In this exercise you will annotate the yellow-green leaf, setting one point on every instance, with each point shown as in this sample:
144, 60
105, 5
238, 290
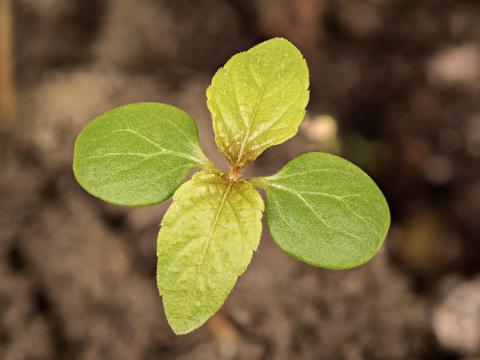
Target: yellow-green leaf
205, 243
258, 99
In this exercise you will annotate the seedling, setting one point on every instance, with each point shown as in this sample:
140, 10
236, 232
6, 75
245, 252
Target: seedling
320, 208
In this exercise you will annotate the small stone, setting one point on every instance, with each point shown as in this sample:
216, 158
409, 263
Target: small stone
456, 321
455, 65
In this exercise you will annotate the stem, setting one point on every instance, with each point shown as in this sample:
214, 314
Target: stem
225, 334
209, 166
259, 182
7, 86
234, 173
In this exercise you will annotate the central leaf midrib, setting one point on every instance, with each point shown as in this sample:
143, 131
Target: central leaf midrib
309, 206
340, 198
255, 111
153, 143
214, 223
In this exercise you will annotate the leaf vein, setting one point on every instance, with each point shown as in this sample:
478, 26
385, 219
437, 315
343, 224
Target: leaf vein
214, 224
309, 206
153, 143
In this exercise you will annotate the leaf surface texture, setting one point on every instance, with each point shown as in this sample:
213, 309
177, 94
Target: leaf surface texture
137, 154
258, 99
325, 211
205, 243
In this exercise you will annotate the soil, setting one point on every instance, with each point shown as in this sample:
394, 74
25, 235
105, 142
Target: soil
394, 88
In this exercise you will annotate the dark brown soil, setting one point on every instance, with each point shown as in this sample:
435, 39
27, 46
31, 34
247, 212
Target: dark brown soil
398, 79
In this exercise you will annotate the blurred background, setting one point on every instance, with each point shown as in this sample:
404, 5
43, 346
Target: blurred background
395, 88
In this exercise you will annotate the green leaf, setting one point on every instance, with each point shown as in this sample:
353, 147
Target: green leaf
258, 99
137, 154
325, 211
205, 243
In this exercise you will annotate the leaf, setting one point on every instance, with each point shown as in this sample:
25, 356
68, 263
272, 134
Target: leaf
137, 154
206, 241
325, 211
258, 99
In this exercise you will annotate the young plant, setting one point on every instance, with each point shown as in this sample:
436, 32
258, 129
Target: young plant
320, 208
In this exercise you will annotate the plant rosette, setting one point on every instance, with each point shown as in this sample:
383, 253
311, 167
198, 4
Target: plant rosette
320, 209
